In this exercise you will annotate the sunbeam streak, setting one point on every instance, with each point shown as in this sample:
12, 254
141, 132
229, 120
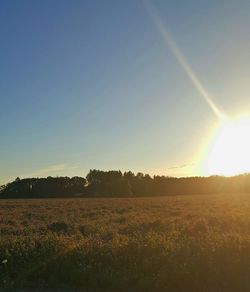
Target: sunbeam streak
172, 46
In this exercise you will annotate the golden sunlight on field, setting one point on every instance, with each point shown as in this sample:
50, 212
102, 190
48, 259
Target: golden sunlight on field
178, 243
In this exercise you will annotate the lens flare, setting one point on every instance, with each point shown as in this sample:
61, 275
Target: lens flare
179, 56
228, 151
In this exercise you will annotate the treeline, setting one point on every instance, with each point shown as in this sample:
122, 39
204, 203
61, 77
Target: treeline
116, 183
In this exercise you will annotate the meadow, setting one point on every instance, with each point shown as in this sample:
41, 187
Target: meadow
174, 243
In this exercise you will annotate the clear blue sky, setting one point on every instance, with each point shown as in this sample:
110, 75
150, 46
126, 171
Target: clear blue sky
91, 84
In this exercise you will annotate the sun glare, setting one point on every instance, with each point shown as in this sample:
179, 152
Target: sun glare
229, 152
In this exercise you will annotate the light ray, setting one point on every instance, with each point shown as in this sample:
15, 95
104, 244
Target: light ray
172, 46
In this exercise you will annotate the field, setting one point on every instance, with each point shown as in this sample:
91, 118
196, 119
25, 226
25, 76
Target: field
178, 243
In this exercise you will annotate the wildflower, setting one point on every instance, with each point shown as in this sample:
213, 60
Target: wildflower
4, 261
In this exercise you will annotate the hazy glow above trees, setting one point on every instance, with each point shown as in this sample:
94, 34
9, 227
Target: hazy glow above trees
228, 153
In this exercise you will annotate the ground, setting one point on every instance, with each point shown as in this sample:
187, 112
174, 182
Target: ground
178, 243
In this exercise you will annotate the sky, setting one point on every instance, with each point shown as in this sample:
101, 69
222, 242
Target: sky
92, 84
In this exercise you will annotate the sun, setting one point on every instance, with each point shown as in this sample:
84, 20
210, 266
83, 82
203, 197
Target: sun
229, 152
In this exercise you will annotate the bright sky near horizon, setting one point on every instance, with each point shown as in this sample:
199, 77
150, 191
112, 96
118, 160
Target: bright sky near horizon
91, 84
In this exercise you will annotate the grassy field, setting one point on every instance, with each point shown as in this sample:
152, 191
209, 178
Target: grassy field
180, 243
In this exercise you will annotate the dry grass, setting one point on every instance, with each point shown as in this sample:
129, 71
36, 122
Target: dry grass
180, 243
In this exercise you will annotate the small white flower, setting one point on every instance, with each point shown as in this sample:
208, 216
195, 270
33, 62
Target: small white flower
4, 261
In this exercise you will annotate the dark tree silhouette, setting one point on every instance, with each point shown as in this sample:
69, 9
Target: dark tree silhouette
114, 183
